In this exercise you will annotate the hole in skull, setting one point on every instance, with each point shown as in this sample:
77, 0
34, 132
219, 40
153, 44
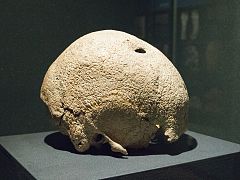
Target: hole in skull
140, 50
80, 143
98, 137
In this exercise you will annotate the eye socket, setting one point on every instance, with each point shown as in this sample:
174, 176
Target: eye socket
140, 50
98, 137
145, 119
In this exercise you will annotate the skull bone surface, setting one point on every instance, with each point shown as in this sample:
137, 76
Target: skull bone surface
111, 87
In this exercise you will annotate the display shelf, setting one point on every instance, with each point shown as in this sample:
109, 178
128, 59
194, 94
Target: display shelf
50, 155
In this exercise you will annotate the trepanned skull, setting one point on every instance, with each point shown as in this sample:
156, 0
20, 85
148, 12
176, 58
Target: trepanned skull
111, 87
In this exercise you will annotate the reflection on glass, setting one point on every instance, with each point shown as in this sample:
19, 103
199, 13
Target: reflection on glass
207, 56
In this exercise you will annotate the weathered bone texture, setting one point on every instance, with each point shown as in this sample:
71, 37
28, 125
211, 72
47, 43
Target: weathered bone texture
111, 87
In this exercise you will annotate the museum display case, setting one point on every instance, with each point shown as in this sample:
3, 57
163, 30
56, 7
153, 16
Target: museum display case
199, 37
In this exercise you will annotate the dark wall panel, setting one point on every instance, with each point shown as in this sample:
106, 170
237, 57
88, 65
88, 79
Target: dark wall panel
32, 34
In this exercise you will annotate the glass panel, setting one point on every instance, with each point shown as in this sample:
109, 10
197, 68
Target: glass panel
207, 56
208, 60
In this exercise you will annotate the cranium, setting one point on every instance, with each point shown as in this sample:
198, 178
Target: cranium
111, 87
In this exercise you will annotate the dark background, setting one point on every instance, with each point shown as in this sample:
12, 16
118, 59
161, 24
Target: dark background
34, 32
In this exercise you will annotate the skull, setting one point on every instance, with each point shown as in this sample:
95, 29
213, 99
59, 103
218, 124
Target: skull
111, 87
